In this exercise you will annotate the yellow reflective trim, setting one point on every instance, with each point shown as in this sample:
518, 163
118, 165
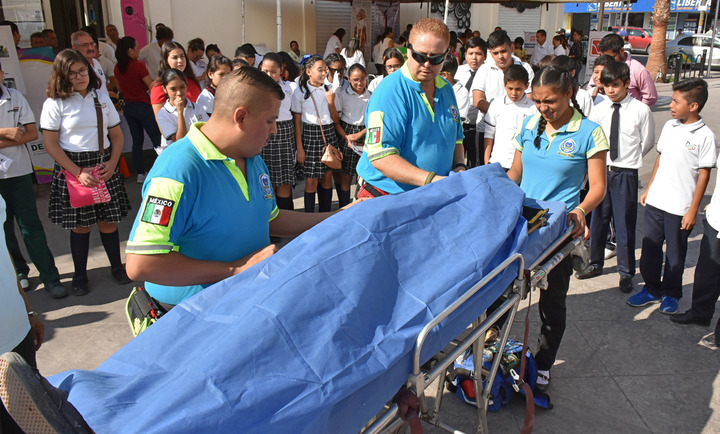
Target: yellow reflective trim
274, 213
239, 177
383, 153
428, 106
149, 234
205, 147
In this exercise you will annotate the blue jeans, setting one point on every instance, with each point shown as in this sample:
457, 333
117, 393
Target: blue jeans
140, 117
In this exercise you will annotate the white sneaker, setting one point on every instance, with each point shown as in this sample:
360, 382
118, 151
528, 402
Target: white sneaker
24, 282
140, 178
610, 253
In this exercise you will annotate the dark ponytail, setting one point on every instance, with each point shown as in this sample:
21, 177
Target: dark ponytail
540, 130
304, 77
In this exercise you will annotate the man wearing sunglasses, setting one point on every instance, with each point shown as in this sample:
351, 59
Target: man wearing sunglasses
414, 131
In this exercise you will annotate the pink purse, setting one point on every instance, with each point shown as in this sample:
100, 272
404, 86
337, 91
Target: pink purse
81, 195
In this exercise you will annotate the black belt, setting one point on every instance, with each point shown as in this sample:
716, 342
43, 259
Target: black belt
375, 192
620, 169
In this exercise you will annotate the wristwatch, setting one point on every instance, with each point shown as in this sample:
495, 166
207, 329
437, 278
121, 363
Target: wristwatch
32, 313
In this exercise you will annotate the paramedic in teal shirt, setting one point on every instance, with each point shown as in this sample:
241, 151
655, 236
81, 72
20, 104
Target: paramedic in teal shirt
414, 130
208, 207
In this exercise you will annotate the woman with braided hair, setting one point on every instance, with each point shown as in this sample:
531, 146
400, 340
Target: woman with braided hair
555, 149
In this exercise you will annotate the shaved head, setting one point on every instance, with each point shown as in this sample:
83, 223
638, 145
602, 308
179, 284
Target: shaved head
245, 87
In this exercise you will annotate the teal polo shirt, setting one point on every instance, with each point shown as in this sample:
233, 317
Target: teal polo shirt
197, 202
556, 170
400, 121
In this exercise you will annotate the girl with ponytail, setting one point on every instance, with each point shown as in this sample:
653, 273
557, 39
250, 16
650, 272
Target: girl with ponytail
555, 149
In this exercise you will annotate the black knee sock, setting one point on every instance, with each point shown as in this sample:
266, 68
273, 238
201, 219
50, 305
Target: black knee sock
343, 197
324, 198
79, 247
111, 243
284, 202
309, 202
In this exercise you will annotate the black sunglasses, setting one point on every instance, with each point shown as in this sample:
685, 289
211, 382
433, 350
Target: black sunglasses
422, 58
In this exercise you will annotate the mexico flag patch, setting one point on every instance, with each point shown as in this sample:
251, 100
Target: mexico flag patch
374, 135
158, 211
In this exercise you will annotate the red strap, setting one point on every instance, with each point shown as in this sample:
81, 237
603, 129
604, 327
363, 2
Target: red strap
409, 408
529, 398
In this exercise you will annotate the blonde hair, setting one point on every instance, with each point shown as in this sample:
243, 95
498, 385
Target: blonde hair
431, 26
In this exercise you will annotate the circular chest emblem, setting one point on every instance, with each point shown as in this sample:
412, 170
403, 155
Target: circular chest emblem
568, 146
266, 185
455, 114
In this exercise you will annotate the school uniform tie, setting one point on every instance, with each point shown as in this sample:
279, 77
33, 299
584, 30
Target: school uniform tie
470, 80
614, 132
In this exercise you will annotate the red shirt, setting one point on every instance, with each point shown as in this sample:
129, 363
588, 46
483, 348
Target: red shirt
157, 96
131, 82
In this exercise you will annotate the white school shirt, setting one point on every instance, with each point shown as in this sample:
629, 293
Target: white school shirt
462, 76
585, 100
107, 51
288, 87
152, 56
15, 112
332, 44
491, 80
712, 212
502, 121
167, 120
540, 51
306, 108
206, 101
356, 58
75, 120
374, 83
463, 100
97, 66
377, 53
15, 323
637, 130
351, 106
684, 150
199, 69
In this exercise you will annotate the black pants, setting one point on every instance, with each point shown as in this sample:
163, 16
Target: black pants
140, 117
663, 227
26, 350
552, 307
706, 288
620, 204
470, 144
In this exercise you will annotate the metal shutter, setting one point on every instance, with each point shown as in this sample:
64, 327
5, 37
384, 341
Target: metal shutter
516, 23
330, 16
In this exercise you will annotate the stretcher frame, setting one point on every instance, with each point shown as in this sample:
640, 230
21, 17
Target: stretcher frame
420, 380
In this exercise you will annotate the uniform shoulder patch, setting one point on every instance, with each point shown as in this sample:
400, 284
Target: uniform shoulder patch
374, 135
266, 185
158, 211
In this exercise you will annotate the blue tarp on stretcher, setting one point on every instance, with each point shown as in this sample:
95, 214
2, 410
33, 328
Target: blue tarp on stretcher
319, 336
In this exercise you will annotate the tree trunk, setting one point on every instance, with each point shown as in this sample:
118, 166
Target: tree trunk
656, 59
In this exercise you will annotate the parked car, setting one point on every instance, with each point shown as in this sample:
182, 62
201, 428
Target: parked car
638, 37
693, 45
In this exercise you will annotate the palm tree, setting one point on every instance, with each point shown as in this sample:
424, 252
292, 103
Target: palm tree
656, 59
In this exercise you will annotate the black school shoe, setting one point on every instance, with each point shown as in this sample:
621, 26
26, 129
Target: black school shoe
34, 404
589, 272
80, 286
626, 285
690, 317
119, 275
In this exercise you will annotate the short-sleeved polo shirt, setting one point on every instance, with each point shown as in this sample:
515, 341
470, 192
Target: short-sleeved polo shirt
14, 112
351, 105
167, 120
400, 121
491, 80
75, 120
197, 202
684, 149
556, 169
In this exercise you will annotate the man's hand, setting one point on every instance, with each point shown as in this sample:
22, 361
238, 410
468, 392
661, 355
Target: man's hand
254, 258
13, 134
38, 331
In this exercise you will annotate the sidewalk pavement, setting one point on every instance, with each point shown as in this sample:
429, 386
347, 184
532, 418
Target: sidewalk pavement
619, 370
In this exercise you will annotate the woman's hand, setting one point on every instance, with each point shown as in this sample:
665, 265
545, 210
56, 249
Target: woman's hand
300, 155
107, 170
86, 178
355, 137
581, 229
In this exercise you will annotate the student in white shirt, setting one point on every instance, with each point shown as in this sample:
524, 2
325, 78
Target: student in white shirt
448, 71
335, 79
475, 55
279, 153
334, 44
314, 129
219, 67
543, 47
505, 116
195, 53
687, 148
595, 87
172, 125
353, 54
630, 128
348, 112
392, 60
559, 46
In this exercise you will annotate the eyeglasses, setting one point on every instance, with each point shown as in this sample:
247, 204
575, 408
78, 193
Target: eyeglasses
393, 66
422, 58
87, 45
340, 71
72, 75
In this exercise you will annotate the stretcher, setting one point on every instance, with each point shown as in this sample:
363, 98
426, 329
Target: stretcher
319, 337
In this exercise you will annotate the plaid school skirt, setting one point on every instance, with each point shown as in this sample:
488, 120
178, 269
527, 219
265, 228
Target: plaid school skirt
350, 157
313, 144
59, 209
279, 154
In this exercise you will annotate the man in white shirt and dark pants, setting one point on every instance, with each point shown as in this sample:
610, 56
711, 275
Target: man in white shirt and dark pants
543, 47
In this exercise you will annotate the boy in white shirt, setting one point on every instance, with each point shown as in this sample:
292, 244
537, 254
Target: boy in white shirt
462, 95
505, 116
630, 128
673, 197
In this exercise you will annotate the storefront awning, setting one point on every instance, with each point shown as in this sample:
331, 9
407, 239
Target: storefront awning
640, 6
